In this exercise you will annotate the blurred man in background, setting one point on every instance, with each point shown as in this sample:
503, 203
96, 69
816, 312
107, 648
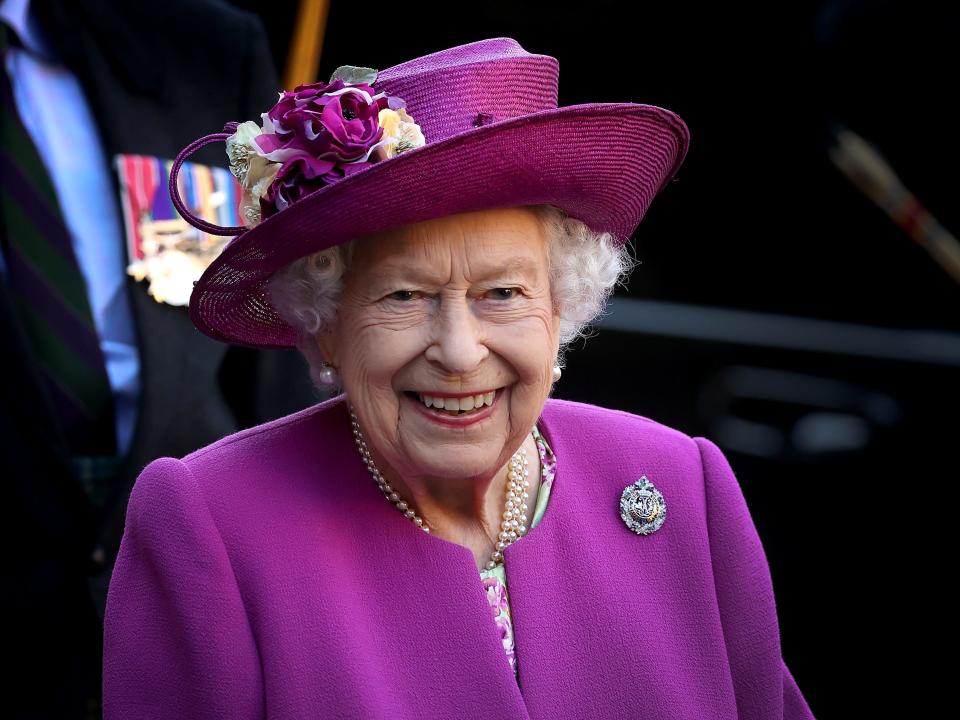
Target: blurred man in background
92, 357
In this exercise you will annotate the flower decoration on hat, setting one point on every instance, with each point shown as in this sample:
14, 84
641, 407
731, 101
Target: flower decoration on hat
314, 136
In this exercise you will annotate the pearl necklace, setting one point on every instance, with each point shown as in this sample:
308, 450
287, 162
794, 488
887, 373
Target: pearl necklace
514, 521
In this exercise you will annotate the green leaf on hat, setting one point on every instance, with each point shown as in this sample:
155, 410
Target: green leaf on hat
353, 75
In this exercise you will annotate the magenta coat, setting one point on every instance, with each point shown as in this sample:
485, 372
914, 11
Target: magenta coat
265, 576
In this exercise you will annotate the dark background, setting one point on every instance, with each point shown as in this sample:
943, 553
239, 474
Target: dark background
775, 309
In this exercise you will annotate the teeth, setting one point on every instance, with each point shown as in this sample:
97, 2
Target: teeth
471, 402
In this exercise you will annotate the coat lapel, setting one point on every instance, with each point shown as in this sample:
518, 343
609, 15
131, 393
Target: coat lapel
609, 623
419, 632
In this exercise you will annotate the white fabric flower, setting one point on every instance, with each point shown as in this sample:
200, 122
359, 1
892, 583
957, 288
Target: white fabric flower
400, 133
251, 168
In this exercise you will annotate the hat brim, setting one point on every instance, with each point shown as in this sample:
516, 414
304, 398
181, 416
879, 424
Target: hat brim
602, 163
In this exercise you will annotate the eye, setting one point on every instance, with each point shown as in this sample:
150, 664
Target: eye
504, 293
403, 295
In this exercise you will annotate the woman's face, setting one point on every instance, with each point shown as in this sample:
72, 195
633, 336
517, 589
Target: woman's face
445, 308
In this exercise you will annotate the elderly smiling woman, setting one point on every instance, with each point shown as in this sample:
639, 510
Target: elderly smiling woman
442, 539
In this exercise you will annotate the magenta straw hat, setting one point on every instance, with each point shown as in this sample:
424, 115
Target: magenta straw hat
469, 128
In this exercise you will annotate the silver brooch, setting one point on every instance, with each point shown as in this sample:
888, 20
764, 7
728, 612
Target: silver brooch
642, 507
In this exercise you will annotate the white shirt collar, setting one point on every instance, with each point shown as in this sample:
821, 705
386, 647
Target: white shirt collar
16, 13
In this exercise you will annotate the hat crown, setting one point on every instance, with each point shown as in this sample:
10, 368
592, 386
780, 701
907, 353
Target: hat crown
461, 88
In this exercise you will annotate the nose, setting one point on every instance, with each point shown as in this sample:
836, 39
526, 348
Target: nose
457, 344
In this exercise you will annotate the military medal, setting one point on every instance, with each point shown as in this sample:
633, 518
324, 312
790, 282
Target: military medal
161, 247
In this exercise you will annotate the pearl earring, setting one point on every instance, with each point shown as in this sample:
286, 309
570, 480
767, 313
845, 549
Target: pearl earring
556, 372
328, 376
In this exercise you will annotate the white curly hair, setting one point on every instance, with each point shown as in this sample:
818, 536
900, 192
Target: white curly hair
584, 268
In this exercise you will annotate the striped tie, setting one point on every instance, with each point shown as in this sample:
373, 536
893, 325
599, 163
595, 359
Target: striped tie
47, 289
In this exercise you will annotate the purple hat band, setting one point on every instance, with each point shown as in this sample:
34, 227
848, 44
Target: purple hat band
495, 137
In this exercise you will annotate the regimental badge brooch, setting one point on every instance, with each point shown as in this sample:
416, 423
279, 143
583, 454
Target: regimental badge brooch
642, 507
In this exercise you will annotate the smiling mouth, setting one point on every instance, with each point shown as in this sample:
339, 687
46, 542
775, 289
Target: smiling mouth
446, 405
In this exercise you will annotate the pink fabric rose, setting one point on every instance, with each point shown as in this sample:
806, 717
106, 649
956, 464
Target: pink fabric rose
320, 133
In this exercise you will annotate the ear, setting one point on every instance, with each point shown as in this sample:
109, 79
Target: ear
326, 341
555, 320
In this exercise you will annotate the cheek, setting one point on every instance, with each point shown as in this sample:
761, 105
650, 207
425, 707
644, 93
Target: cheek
528, 347
372, 357
538, 328
370, 361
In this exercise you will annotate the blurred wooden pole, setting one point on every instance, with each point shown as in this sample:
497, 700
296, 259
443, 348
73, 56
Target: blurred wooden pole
303, 58
873, 175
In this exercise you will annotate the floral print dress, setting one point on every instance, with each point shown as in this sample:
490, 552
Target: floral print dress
495, 580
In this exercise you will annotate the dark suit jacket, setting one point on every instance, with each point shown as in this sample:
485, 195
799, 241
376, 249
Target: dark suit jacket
156, 76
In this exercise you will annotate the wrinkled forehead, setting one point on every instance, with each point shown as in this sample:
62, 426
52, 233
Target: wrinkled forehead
471, 245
